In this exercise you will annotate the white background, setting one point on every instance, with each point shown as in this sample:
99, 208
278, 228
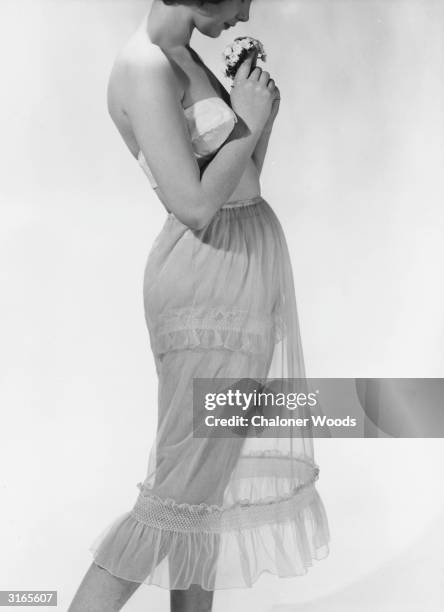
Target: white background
354, 173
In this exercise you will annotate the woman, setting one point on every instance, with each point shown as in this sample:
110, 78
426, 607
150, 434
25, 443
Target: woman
213, 512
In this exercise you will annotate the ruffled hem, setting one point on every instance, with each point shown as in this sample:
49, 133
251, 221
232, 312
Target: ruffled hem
266, 524
295, 534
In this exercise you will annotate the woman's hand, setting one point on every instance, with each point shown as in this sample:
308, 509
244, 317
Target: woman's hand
276, 98
276, 104
274, 110
252, 94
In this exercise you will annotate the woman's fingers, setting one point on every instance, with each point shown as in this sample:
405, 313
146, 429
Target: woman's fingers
264, 77
248, 70
244, 69
254, 53
255, 74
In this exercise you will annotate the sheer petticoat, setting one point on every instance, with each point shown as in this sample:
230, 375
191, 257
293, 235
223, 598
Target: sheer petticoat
218, 512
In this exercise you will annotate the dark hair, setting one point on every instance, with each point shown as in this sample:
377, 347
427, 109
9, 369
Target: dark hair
191, 2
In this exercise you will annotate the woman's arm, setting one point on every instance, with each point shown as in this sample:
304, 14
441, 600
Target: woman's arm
156, 115
260, 150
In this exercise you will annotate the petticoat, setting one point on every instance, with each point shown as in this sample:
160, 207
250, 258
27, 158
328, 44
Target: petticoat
218, 512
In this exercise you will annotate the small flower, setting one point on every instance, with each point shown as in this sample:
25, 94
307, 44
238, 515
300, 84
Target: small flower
236, 53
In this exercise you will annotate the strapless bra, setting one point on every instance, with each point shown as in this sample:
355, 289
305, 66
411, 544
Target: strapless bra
210, 121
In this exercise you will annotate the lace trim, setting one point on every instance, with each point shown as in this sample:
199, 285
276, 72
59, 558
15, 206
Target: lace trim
168, 501
169, 515
210, 338
212, 318
236, 330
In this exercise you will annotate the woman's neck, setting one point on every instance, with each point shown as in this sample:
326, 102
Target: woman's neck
169, 26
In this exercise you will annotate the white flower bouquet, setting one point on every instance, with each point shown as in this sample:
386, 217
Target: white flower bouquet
238, 51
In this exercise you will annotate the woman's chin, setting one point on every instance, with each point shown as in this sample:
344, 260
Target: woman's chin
217, 30
213, 32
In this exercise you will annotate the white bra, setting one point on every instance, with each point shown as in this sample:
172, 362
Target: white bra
210, 121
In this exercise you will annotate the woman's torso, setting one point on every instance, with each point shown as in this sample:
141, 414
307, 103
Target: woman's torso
200, 83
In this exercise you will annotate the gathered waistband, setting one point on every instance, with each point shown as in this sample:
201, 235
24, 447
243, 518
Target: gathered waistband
244, 202
234, 204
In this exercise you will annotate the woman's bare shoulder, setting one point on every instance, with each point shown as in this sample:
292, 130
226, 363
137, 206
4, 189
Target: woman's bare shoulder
140, 59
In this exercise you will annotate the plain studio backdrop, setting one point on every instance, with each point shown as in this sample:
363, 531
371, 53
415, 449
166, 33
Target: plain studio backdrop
354, 173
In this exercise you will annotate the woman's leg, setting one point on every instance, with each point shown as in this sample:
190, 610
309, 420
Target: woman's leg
100, 591
194, 599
